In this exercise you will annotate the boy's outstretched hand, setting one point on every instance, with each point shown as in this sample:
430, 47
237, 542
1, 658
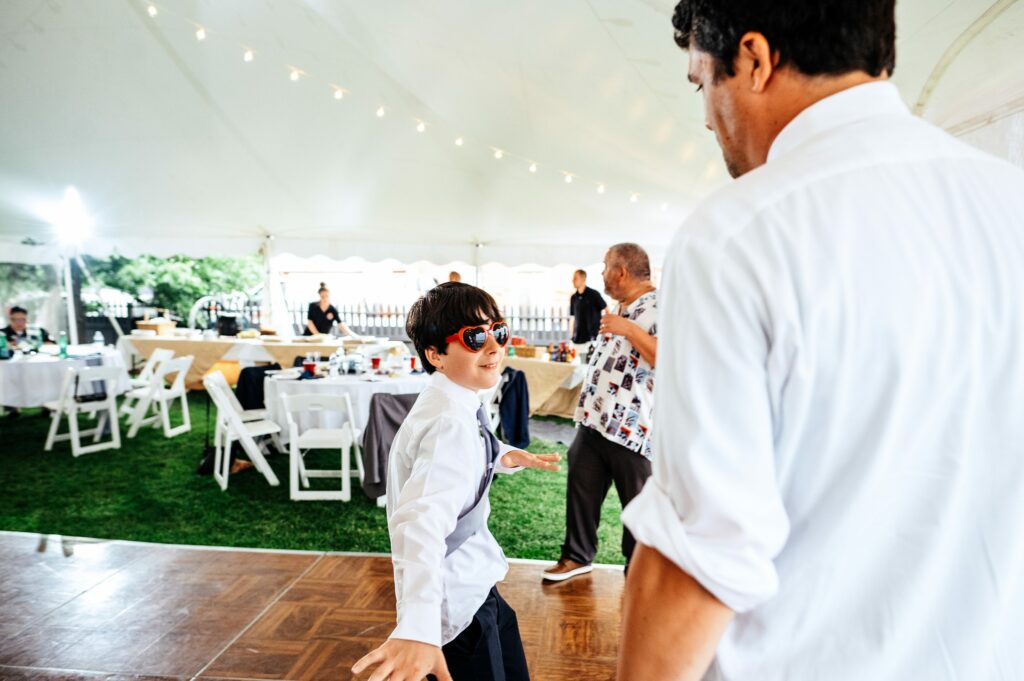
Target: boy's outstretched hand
403, 660
517, 457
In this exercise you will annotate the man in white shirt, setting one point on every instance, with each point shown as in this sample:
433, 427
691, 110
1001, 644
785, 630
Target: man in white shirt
839, 458
452, 622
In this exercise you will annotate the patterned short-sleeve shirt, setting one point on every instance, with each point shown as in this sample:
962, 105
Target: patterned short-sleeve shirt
617, 399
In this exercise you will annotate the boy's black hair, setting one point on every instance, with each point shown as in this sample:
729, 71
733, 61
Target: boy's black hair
16, 309
442, 311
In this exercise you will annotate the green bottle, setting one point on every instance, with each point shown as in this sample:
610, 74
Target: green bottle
62, 345
5, 352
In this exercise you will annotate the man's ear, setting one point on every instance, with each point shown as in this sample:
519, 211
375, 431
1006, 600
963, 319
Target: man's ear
434, 357
755, 61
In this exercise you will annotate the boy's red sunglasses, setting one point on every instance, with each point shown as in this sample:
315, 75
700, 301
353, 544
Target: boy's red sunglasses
473, 338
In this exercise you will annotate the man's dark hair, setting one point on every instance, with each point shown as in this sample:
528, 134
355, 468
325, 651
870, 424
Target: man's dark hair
582, 273
442, 311
634, 258
823, 37
15, 309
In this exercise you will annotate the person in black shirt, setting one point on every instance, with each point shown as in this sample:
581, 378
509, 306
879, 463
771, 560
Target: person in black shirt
17, 330
585, 306
322, 315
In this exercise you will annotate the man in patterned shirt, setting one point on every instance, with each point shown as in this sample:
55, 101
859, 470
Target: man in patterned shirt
614, 413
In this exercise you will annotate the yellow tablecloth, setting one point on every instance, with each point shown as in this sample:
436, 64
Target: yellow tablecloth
546, 381
207, 352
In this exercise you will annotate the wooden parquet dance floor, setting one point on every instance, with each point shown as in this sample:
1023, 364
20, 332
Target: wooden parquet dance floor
81, 609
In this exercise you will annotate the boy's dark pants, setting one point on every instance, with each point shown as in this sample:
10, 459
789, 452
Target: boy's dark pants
489, 649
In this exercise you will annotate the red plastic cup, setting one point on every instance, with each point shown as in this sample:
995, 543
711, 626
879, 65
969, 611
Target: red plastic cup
412, 363
309, 366
375, 361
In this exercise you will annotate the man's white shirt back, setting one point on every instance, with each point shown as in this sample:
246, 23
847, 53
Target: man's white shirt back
435, 467
839, 453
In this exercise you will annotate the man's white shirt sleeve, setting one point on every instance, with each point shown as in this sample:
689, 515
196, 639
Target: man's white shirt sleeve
712, 505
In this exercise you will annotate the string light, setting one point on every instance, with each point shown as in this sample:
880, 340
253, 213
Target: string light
295, 74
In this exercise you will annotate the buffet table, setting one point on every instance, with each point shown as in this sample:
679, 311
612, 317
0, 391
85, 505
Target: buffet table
554, 386
208, 351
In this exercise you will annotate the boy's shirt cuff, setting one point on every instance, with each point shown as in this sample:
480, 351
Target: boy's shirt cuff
419, 622
500, 467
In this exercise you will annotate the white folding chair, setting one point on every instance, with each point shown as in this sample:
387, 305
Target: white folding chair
231, 428
159, 396
345, 439
144, 378
78, 383
491, 399
229, 394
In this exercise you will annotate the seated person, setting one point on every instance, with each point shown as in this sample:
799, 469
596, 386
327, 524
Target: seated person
17, 329
322, 316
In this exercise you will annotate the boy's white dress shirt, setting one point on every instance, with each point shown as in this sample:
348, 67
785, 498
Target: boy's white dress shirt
435, 468
840, 441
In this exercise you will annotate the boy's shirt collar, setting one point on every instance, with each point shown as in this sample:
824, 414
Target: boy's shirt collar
459, 394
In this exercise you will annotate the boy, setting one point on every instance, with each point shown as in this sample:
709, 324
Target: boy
452, 622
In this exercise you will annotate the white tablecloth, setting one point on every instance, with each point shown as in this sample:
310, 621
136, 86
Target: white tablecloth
29, 381
357, 387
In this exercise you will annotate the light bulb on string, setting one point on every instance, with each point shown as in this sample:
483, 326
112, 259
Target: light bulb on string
568, 178
600, 189
200, 34
499, 154
633, 198
294, 75
152, 10
338, 93
459, 141
380, 111
247, 56
533, 167
421, 126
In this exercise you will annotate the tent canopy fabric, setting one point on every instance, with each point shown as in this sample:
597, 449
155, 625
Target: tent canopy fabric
180, 145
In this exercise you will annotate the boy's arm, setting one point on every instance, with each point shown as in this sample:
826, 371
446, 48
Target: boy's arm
426, 513
512, 460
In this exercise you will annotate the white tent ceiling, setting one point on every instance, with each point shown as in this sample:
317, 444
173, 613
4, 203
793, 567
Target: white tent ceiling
178, 145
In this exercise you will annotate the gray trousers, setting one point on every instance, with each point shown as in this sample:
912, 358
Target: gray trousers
594, 464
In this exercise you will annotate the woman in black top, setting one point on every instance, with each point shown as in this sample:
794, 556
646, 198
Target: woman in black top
322, 315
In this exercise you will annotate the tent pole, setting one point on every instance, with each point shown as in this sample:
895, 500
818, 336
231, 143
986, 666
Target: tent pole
69, 294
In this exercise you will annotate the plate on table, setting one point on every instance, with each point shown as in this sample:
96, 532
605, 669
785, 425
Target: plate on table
143, 333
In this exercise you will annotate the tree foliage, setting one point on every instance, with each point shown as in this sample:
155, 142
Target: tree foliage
176, 282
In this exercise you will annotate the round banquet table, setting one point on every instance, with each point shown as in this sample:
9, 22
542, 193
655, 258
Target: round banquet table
31, 380
359, 388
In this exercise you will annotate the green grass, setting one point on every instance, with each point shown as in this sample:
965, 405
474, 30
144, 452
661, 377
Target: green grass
148, 491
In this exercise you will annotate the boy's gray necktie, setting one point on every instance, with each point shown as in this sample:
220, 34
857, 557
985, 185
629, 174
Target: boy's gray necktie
473, 520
